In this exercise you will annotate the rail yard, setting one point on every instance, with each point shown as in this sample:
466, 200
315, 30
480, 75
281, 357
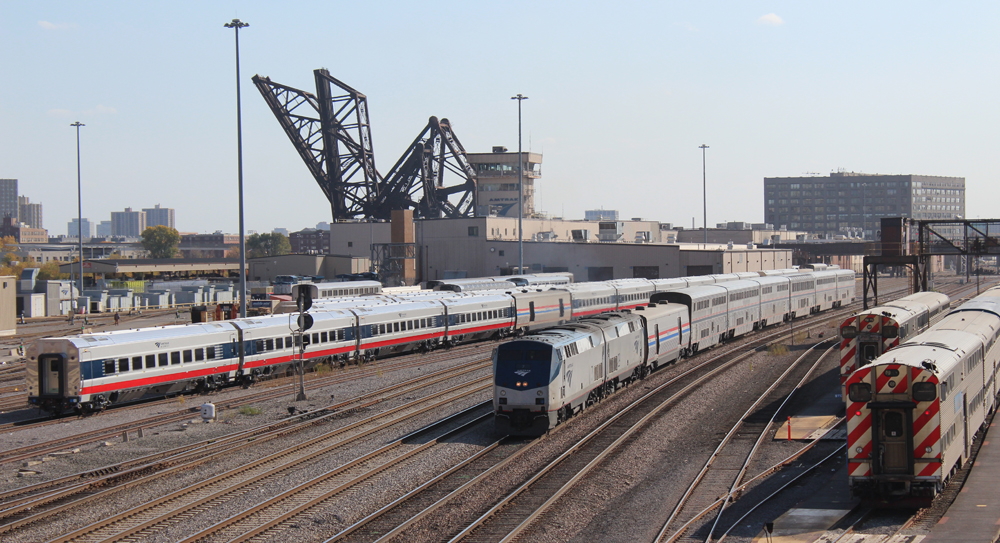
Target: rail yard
405, 449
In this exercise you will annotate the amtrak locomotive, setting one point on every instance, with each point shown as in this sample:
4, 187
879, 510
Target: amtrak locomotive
548, 376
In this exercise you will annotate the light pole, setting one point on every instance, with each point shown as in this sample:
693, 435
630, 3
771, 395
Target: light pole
520, 188
79, 212
704, 193
237, 24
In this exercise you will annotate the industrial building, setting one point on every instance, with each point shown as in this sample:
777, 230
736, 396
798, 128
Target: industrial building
327, 266
592, 251
853, 204
496, 182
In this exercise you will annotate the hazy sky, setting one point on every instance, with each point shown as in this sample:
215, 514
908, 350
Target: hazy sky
621, 94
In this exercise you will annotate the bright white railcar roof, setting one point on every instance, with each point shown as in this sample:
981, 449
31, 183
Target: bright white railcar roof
937, 351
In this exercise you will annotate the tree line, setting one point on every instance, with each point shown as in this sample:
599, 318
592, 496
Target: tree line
157, 241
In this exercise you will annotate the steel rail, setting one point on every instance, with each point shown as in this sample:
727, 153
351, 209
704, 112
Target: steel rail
760, 439
779, 332
203, 492
787, 484
195, 457
57, 444
424, 488
257, 433
324, 495
718, 450
627, 432
272, 386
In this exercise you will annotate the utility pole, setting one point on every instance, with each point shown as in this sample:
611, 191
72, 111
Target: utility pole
704, 193
237, 24
79, 212
520, 188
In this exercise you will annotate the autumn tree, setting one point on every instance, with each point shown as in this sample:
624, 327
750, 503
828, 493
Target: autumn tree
10, 263
160, 241
50, 271
273, 244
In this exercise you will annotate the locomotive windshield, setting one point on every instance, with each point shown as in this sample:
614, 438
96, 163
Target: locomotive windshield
869, 352
522, 364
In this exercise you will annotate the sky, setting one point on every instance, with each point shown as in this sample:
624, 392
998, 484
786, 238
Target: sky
620, 97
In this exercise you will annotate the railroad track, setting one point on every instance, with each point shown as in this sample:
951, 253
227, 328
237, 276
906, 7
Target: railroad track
393, 519
80, 439
272, 387
281, 511
514, 514
292, 456
719, 479
921, 521
28, 497
509, 448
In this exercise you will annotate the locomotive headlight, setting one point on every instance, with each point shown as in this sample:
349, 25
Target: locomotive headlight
503, 392
539, 392
858, 450
892, 384
928, 450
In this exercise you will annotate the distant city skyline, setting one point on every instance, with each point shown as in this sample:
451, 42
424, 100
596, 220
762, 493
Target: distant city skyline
775, 90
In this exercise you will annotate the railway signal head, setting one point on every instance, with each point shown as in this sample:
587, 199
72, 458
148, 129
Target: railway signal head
305, 321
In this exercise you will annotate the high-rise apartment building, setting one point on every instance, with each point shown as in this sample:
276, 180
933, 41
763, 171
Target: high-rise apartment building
160, 216
847, 203
88, 229
29, 213
104, 229
128, 223
8, 198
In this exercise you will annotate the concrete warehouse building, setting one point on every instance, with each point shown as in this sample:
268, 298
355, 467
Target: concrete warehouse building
475, 247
